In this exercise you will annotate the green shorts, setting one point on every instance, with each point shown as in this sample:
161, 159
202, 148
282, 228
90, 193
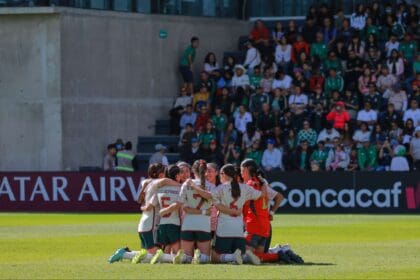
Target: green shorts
199, 236
168, 234
228, 245
146, 239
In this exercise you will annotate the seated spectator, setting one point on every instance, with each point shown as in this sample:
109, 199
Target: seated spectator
298, 102
415, 148
232, 153
282, 81
367, 157
207, 135
220, 122
378, 134
252, 58
367, 115
384, 155
339, 116
178, 109
241, 119
309, 31
338, 159
395, 64
301, 157
386, 80
413, 113
279, 101
319, 48
210, 63
390, 46
201, 98
357, 46
318, 118
388, 117
407, 132
250, 136
358, 18
316, 81
283, 54
291, 32
398, 98
231, 134
187, 135
320, 155
373, 97
202, 119
394, 133
261, 37
298, 47
333, 82
278, 32
159, 156
214, 154
257, 100
307, 134
229, 64
272, 157
254, 152
365, 81
266, 121
240, 79
109, 159
267, 81
267, 62
333, 62
255, 78
192, 153
354, 66
362, 134
327, 135
225, 102
353, 164
351, 101
399, 161
329, 32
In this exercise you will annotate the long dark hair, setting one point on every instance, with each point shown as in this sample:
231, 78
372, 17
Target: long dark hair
199, 168
229, 170
155, 169
254, 171
172, 172
215, 167
207, 59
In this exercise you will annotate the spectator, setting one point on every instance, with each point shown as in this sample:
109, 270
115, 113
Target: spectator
109, 159
232, 153
320, 155
395, 64
338, 159
250, 136
272, 157
193, 153
119, 144
365, 81
298, 47
210, 63
266, 120
267, 61
413, 113
252, 58
257, 100
278, 102
309, 30
333, 62
373, 97
407, 132
358, 18
240, 79
186, 64
351, 102
378, 135
283, 54
339, 116
353, 164
207, 135
367, 157
225, 102
362, 134
316, 80
291, 32
159, 156
187, 135
229, 64
278, 32
220, 122
255, 78
301, 157
201, 98
261, 37
329, 32
307, 134
399, 161
415, 148
384, 156
231, 134
333, 82
241, 119
319, 48
298, 103
389, 117
390, 46
178, 109
345, 32
125, 159
254, 152
281, 80
398, 97
367, 115
214, 154
327, 135
386, 80
354, 67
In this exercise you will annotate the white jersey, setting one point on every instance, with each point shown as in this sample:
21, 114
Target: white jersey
147, 220
228, 226
164, 197
190, 198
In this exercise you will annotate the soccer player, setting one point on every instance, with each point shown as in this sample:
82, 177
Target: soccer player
229, 198
213, 179
196, 230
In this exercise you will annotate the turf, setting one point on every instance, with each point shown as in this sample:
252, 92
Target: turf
55, 246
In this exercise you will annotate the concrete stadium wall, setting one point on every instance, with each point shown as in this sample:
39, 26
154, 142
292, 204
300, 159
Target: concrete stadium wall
72, 81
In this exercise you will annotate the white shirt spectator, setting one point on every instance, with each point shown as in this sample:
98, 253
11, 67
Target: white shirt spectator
360, 136
399, 164
283, 55
389, 46
210, 68
272, 159
358, 22
253, 58
385, 82
367, 116
187, 118
241, 121
183, 101
415, 148
300, 99
324, 134
414, 115
240, 81
285, 83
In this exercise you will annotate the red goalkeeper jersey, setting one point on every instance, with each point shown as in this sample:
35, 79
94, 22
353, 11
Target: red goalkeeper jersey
256, 213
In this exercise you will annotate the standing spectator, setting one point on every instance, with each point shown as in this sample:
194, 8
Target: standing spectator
159, 156
339, 116
109, 160
186, 63
189, 116
125, 159
210, 63
283, 54
415, 148
272, 157
338, 159
307, 134
178, 109
301, 157
241, 119
367, 157
252, 58
367, 115
413, 113
398, 97
358, 18
320, 155
399, 161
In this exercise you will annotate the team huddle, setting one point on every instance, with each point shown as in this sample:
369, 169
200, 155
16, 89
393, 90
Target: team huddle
217, 217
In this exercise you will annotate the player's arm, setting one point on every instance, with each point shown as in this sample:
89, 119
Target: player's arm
140, 198
228, 211
203, 193
171, 208
194, 211
166, 182
277, 201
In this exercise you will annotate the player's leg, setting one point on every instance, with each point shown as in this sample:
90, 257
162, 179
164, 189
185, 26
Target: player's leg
225, 252
256, 244
148, 243
187, 245
203, 251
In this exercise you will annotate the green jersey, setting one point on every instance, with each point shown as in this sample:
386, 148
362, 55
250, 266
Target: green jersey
408, 49
189, 51
367, 158
219, 122
319, 49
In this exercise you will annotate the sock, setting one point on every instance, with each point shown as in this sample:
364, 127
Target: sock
204, 258
186, 259
148, 258
245, 258
130, 255
268, 257
166, 258
227, 258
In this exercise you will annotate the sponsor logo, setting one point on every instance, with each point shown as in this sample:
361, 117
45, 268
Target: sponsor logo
413, 197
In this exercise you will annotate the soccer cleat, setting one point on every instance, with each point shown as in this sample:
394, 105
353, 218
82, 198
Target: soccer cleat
196, 258
253, 258
157, 256
238, 256
295, 258
275, 249
178, 257
140, 256
284, 258
118, 255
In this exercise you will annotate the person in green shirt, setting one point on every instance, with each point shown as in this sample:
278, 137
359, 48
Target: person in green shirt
185, 65
255, 153
219, 122
370, 28
255, 79
333, 82
333, 62
319, 48
207, 136
320, 155
367, 157
408, 48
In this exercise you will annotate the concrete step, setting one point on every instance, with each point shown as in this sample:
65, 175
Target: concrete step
146, 144
162, 127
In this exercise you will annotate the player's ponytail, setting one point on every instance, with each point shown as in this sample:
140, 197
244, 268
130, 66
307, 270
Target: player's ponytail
229, 170
254, 171
199, 169
172, 171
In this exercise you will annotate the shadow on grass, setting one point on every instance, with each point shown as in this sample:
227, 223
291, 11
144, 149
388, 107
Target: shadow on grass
320, 264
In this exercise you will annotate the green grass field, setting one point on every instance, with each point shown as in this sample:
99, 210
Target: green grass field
338, 246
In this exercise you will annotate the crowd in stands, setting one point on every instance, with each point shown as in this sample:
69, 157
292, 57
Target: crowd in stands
333, 94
